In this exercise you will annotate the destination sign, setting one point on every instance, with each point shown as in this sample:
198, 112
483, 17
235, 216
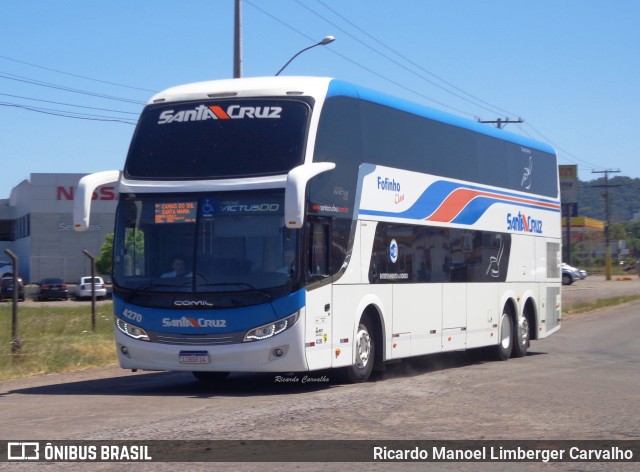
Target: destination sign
176, 212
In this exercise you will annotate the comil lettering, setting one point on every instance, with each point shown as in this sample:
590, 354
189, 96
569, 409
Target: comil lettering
215, 112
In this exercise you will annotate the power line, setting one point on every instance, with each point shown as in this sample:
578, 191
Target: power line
333, 51
371, 71
474, 99
65, 114
582, 161
471, 98
76, 75
69, 104
19, 78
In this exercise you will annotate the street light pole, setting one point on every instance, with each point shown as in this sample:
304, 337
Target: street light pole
237, 41
16, 342
326, 40
93, 287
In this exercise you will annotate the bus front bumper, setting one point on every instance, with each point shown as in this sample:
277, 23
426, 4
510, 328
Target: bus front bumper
283, 352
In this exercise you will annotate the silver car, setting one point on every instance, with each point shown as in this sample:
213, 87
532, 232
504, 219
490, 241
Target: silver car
83, 288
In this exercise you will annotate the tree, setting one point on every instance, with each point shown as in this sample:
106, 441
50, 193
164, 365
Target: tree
104, 263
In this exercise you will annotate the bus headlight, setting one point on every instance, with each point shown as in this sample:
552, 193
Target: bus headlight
131, 330
271, 329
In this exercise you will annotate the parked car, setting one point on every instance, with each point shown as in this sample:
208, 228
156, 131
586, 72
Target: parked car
6, 289
574, 272
6, 268
83, 288
570, 274
53, 288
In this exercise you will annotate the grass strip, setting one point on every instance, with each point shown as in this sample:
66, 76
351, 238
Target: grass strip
55, 339
583, 307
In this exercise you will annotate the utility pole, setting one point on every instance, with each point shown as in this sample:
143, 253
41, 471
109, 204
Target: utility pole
607, 215
237, 41
500, 122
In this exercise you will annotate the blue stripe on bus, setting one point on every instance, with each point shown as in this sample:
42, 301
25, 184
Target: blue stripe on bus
479, 205
437, 193
196, 321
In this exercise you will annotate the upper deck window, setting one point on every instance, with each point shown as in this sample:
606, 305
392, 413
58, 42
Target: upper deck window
214, 139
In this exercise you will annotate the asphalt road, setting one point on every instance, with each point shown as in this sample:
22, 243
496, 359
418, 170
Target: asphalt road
581, 383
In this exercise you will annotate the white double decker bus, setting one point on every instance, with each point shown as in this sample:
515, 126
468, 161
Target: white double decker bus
293, 224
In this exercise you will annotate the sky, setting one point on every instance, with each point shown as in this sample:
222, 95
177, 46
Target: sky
75, 75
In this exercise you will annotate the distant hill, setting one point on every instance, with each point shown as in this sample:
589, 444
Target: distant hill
624, 198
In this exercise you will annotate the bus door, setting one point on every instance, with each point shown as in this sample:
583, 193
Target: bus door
319, 308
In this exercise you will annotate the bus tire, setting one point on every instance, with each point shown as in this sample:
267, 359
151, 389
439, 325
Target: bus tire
365, 354
505, 345
210, 378
521, 337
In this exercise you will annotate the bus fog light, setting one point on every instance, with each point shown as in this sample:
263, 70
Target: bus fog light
271, 329
278, 352
124, 350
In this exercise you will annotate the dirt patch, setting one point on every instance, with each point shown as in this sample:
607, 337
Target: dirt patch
596, 287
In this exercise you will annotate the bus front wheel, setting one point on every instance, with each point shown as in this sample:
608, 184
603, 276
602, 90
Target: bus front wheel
365, 353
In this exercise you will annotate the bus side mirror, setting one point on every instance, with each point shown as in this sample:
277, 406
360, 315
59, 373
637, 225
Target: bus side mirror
295, 190
84, 193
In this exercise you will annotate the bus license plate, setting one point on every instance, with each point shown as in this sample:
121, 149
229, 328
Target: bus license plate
194, 357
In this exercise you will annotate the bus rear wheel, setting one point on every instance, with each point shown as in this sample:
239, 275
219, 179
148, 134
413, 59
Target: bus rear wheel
521, 337
365, 354
505, 346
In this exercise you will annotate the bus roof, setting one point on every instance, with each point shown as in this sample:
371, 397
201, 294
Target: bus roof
326, 86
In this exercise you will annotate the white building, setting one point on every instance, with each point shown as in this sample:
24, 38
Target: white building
36, 223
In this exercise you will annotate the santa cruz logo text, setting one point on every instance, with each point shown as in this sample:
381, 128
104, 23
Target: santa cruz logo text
523, 223
188, 322
215, 112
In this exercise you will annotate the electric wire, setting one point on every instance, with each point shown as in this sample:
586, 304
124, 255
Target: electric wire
459, 93
69, 104
371, 71
568, 156
62, 113
472, 98
76, 75
19, 78
468, 97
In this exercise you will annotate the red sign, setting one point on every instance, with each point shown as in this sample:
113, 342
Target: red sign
103, 193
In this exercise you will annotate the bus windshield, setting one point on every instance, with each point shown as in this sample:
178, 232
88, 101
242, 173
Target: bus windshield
211, 243
218, 139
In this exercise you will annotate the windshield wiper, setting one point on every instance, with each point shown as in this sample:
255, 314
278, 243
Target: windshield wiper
144, 288
237, 284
